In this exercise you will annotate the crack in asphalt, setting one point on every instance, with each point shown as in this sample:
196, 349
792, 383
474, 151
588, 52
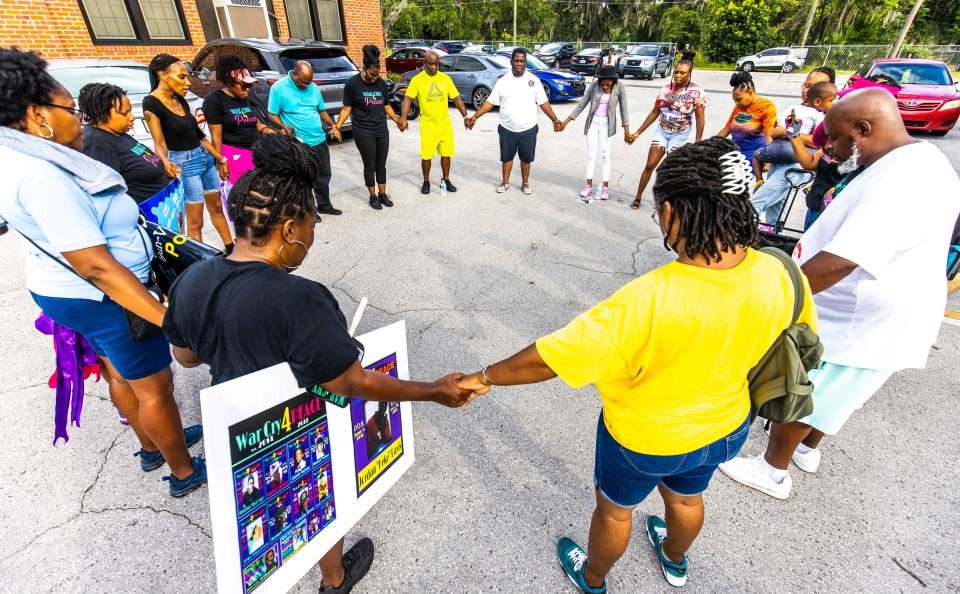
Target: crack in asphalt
636, 253
908, 572
103, 464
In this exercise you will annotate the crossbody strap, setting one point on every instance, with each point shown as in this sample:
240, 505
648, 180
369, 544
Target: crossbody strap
794, 271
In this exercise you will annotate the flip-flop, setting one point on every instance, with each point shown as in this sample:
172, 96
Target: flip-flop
635, 205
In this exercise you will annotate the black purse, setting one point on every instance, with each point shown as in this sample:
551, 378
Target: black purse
139, 328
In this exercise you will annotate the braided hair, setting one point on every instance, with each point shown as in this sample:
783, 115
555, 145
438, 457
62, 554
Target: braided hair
227, 64
158, 64
742, 80
24, 81
687, 57
709, 222
97, 100
279, 189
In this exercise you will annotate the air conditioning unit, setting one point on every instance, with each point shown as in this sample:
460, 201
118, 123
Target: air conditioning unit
243, 18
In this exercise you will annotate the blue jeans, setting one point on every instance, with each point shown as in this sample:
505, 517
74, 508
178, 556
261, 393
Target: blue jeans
766, 201
198, 171
625, 477
812, 215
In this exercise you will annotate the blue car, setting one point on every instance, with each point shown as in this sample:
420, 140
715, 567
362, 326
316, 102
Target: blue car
559, 85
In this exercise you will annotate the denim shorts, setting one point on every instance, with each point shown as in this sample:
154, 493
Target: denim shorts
625, 477
104, 325
199, 173
671, 140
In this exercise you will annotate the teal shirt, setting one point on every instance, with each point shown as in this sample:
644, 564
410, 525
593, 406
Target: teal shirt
299, 109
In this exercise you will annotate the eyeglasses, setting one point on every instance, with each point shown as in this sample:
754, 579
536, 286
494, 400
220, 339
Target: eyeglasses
79, 115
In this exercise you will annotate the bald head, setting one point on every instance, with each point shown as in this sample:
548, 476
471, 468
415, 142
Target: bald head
302, 73
865, 124
431, 63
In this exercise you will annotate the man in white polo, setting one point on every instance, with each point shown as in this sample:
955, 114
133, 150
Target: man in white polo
876, 262
518, 95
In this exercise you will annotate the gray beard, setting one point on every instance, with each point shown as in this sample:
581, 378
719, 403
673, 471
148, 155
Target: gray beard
851, 163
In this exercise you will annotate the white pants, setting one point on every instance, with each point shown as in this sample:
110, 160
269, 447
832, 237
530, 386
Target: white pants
598, 140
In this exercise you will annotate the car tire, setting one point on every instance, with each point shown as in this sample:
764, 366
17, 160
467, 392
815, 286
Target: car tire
664, 73
414, 112
650, 76
546, 89
619, 75
747, 67
479, 96
789, 67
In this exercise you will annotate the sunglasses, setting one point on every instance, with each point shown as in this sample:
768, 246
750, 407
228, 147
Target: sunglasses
79, 115
245, 86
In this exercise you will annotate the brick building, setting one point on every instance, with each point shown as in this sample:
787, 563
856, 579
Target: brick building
139, 29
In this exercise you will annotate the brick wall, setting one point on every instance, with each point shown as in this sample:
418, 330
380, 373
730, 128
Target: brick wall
56, 29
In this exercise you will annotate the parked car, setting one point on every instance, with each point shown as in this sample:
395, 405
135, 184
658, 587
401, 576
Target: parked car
646, 60
775, 58
402, 43
558, 84
133, 77
410, 58
474, 76
585, 61
451, 47
479, 49
929, 98
556, 54
507, 50
270, 61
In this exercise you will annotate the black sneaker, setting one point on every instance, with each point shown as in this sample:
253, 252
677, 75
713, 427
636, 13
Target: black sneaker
425, 188
154, 460
179, 488
385, 199
375, 202
356, 564
329, 210
450, 186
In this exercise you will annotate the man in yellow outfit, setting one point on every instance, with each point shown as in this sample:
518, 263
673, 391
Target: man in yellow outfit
434, 90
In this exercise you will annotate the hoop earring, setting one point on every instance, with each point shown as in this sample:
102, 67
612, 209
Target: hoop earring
49, 134
306, 251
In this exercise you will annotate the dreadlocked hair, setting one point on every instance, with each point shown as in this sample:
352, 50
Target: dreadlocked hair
709, 222
97, 100
278, 189
227, 64
158, 64
742, 80
24, 81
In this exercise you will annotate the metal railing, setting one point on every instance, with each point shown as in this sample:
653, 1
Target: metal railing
850, 58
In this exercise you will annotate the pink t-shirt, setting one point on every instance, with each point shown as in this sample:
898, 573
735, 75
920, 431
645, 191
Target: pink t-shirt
603, 106
677, 106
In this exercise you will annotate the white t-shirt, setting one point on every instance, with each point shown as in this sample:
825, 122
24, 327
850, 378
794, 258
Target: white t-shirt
809, 117
895, 221
519, 98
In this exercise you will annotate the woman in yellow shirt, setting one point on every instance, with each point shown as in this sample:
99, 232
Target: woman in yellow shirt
669, 354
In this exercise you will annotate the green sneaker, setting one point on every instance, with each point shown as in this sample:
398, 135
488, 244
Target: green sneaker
573, 561
676, 573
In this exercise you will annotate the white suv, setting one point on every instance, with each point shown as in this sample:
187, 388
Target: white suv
775, 58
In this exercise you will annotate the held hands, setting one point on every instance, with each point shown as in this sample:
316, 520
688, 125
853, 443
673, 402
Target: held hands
448, 391
558, 126
469, 123
335, 134
223, 170
170, 169
402, 124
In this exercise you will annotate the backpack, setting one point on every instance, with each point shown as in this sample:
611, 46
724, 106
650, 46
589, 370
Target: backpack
779, 387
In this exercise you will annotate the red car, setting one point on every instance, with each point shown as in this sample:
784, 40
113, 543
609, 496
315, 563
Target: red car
410, 58
929, 98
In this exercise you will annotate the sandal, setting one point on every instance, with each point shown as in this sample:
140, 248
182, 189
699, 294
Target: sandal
635, 205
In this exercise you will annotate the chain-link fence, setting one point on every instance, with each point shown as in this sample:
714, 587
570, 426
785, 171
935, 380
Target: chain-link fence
625, 46
846, 59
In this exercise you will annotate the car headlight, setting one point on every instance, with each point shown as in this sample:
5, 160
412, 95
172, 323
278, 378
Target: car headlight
950, 105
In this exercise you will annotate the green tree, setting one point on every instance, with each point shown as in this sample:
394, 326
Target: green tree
733, 29
681, 26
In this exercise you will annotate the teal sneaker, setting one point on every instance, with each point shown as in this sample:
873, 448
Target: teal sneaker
676, 573
179, 488
154, 460
573, 561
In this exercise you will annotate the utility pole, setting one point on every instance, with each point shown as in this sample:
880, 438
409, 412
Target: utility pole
806, 26
514, 21
906, 29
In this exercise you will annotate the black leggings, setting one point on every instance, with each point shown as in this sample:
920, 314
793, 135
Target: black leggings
373, 151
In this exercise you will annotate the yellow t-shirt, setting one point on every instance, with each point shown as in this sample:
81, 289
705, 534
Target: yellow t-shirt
670, 351
433, 93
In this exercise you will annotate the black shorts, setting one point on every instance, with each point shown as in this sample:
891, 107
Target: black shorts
512, 143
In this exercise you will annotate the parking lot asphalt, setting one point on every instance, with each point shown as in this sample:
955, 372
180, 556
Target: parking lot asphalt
478, 275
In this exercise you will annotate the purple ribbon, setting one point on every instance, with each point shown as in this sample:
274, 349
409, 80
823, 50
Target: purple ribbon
74, 354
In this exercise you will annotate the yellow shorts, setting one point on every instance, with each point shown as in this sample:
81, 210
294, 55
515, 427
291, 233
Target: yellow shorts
434, 141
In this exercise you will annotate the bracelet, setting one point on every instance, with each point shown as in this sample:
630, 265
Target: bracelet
483, 377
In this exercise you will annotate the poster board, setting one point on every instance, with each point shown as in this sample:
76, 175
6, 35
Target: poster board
290, 473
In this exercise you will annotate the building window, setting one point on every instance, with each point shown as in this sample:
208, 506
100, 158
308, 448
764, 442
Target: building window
315, 20
135, 22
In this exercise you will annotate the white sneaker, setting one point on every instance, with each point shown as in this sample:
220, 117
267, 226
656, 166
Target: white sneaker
808, 462
752, 472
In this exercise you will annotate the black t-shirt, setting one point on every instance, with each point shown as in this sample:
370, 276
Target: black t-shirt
241, 317
366, 101
181, 133
235, 115
827, 180
141, 169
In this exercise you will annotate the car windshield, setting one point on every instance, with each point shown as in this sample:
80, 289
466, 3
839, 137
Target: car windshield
909, 73
644, 50
323, 61
535, 64
551, 47
135, 80
590, 52
501, 62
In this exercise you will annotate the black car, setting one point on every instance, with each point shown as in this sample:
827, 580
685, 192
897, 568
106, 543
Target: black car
451, 47
557, 54
585, 62
269, 61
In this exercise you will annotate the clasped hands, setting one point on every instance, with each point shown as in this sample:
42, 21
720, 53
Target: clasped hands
458, 390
